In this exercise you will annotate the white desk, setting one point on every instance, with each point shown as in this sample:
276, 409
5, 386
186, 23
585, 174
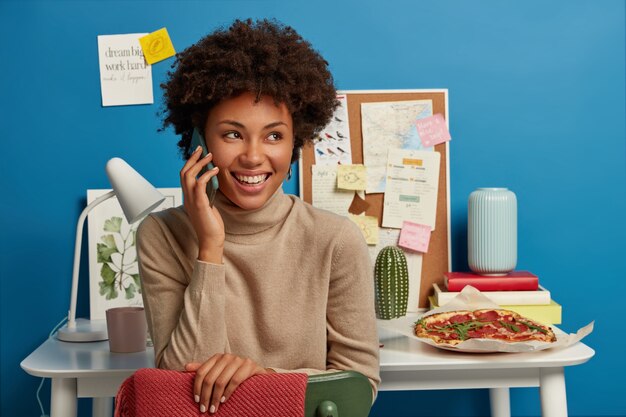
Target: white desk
81, 370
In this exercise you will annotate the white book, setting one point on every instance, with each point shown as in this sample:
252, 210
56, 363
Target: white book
506, 298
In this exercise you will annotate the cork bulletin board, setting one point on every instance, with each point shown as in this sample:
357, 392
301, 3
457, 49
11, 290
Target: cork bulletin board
438, 259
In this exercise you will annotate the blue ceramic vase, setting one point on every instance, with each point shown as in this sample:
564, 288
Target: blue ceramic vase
492, 231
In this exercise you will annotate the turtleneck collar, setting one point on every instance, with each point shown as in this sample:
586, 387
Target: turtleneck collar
238, 221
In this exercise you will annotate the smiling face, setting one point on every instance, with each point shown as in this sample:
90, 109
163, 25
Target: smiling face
252, 145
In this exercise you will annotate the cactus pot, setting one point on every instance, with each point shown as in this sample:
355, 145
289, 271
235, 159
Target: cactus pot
391, 277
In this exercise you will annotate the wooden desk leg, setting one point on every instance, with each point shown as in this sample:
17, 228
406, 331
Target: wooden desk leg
500, 402
102, 407
552, 392
63, 398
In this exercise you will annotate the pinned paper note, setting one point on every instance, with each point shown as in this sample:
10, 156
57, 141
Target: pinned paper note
389, 125
332, 144
157, 46
125, 78
411, 190
432, 130
414, 236
368, 226
351, 177
326, 195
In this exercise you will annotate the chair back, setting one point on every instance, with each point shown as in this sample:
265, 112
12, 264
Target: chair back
338, 394
153, 392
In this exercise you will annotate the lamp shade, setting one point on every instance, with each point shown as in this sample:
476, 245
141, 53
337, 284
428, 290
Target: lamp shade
136, 196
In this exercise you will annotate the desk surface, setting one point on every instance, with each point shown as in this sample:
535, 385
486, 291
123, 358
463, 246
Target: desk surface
55, 358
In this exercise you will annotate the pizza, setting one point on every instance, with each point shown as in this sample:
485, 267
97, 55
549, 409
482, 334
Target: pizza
454, 327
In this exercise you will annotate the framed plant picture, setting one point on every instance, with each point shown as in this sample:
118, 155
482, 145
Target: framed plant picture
113, 270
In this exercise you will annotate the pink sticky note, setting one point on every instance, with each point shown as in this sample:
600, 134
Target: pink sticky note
414, 236
432, 130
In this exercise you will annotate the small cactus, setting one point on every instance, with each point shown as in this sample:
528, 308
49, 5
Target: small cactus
391, 277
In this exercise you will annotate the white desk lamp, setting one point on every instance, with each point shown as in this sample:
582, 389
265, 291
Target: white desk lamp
138, 198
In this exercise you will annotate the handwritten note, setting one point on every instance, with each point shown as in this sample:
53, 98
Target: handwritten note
326, 195
432, 130
351, 177
125, 78
414, 236
157, 46
412, 184
368, 226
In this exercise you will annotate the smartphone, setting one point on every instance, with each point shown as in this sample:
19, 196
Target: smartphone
213, 184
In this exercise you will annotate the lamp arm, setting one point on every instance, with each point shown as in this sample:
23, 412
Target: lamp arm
71, 316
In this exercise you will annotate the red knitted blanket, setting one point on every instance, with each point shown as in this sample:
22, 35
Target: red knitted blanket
161, 393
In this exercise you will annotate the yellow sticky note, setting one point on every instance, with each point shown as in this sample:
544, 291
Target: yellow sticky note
351, 177
412, 161
157, 46
368, 226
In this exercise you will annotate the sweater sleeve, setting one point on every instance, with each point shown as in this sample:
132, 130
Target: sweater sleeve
350, 317
184, 309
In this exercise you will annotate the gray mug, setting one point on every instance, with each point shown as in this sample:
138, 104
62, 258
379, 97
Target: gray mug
127, 329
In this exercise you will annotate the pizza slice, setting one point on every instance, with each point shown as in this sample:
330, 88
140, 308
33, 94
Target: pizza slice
454, 327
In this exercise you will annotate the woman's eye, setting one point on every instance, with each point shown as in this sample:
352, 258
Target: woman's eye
275, 136
233, 135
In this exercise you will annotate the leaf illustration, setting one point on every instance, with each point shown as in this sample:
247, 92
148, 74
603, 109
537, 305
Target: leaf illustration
109, 240
137, 282
107, 274
130, 291
105, 252
114, 224
116, 262
118, 256
130, 257
108, 290
109, 243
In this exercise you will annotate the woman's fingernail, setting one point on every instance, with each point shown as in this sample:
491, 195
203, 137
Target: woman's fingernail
207, 155
197, 149
212, 409
196, 398
223, 400
202, 408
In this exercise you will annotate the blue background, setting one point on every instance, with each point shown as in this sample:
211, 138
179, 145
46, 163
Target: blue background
537, 104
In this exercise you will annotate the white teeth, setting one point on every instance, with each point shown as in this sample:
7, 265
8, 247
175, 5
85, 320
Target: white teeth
256, 179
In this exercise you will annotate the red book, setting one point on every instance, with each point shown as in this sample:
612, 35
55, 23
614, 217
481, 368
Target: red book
513, 281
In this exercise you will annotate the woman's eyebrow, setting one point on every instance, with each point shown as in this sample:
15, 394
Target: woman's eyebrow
232, 122
274, 124
242, 126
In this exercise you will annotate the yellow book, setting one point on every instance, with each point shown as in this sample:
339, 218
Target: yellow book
546, 314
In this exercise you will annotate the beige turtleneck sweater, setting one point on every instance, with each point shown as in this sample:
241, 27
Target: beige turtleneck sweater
295, 291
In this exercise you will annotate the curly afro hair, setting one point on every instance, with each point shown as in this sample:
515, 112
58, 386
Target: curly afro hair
263, 57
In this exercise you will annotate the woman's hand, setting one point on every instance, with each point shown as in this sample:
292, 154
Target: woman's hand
206, 220
218, 377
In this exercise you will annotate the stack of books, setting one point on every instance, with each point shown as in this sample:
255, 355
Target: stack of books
517, 291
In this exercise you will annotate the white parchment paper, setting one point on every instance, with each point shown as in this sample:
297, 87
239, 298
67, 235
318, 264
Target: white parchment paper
472, 299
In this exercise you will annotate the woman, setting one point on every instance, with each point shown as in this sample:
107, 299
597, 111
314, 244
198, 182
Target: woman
260, 282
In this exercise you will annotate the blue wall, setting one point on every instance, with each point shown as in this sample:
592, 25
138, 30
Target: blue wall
537, 97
